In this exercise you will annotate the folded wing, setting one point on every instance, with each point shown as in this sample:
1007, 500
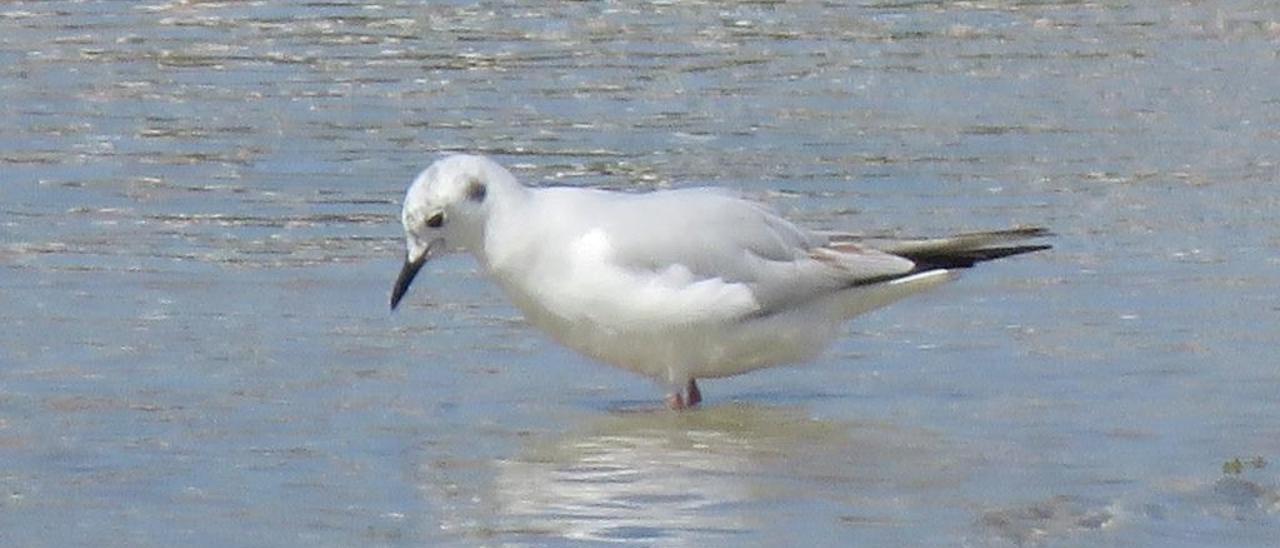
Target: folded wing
717, 240
695, 255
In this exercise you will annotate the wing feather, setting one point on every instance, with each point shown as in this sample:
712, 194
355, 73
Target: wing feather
703, 254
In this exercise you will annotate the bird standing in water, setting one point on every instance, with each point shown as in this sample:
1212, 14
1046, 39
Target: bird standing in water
677, 285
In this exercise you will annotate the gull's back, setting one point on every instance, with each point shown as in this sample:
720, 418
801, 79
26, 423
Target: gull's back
705, 229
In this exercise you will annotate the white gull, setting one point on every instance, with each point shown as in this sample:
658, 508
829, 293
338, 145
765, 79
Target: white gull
677, 285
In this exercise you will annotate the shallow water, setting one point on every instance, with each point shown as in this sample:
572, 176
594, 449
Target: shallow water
199, 202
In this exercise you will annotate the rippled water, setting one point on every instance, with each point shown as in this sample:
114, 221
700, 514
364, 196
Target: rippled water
199, 201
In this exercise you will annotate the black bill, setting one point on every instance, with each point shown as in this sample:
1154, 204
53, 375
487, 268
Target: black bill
407, 272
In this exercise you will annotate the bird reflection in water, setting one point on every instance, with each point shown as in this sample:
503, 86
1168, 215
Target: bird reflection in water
656, 476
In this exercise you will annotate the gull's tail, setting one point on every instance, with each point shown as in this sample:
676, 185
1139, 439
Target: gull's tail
958, 251
936, 260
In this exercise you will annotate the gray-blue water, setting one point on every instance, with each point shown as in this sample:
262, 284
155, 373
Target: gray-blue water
199, 219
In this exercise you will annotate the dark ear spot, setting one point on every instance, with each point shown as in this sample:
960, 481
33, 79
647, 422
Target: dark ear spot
476, 191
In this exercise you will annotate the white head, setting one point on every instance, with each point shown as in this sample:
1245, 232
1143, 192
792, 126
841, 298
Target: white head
446, 208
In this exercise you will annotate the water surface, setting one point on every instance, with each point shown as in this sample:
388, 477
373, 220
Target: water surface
199, 203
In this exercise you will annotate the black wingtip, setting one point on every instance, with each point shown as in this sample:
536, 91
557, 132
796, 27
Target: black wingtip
968, 258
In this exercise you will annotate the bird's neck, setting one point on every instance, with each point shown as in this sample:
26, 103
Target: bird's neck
505, 240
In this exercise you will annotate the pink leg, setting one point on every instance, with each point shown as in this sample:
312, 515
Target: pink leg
694, 395
685, 399
675, 400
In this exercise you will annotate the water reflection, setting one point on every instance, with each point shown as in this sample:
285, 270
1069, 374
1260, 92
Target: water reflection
720, 471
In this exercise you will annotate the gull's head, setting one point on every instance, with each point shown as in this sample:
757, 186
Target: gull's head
445, 211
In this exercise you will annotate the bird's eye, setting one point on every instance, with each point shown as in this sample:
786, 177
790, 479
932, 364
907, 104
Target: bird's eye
476, 191
436, 220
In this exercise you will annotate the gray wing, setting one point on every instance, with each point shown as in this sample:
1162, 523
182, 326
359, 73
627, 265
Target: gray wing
716, 235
